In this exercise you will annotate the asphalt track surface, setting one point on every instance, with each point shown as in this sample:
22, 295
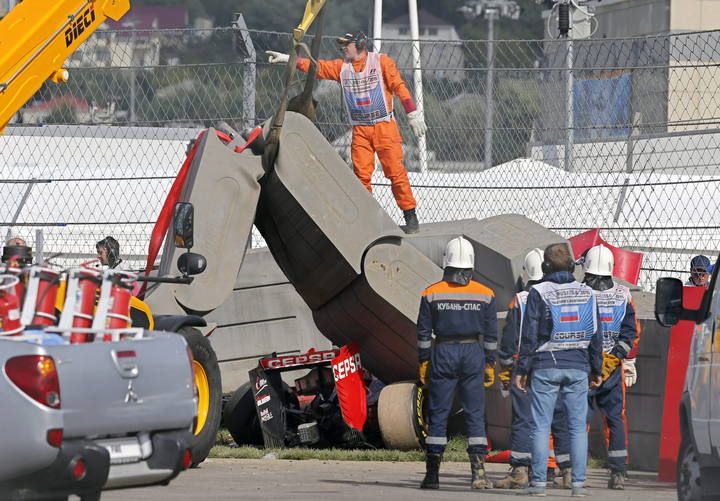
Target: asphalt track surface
266, 479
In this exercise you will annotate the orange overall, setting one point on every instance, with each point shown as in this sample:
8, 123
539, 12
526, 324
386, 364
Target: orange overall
382, 138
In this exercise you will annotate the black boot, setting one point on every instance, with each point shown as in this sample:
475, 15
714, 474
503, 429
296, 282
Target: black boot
432, 471
411, 221
477, 468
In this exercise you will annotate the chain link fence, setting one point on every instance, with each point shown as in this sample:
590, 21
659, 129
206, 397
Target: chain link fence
620, 134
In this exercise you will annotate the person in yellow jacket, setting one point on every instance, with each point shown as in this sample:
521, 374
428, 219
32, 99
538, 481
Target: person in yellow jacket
369, 80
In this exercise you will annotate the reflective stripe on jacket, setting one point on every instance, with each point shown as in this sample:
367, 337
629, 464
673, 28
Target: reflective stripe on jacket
448, 309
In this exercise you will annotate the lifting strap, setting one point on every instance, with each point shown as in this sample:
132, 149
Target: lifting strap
313, 10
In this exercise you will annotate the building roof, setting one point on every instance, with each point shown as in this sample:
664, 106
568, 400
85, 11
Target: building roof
425, 18
148, 17
77, 103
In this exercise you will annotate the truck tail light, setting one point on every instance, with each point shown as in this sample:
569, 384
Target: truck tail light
54, 437
37, 377
187, 459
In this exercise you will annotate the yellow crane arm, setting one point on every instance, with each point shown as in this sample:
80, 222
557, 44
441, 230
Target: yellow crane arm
37, 36
312, 9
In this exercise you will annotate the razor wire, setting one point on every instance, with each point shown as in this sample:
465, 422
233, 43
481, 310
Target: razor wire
635, 154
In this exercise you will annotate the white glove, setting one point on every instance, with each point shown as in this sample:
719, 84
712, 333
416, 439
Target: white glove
630, 372
417, 124
277, 57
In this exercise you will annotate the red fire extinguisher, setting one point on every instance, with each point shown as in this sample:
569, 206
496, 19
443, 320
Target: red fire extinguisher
39, 302
118, 310
113, 308
47, 294
119, 313
18, 288
10, 324
88, 282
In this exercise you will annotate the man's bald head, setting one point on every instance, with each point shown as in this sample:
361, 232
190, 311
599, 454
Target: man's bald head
16, 241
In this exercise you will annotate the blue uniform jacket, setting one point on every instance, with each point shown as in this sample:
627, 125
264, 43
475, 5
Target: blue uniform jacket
618, 321
449, 309
537, 328
508, 350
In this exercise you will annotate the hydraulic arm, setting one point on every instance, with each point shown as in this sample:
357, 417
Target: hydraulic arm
37, 36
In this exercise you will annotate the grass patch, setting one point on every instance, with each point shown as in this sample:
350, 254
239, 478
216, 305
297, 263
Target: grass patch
455, 451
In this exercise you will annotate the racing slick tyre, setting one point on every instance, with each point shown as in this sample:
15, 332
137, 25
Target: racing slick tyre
209, 388
400, 416
240, 417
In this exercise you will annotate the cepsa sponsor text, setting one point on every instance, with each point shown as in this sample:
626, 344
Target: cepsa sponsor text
291, 360
346, 367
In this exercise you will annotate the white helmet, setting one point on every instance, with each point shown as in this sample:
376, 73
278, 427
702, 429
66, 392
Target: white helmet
459, 253
533, 264
599, 261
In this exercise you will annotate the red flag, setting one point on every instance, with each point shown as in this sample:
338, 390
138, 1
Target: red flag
627, 263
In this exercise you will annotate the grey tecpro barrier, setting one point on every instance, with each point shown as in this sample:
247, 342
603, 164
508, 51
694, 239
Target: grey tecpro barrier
263, 314
224, 188
316, 218
379, 309
500, 243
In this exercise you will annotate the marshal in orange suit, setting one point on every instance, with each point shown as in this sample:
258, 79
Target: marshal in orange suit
369, 80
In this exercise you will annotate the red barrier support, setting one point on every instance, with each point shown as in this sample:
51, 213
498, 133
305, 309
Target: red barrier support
677, 364
498, 457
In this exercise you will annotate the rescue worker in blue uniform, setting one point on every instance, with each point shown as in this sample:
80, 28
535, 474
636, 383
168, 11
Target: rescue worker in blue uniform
700, 270
619, 331
561, 344
521, 443
461, 314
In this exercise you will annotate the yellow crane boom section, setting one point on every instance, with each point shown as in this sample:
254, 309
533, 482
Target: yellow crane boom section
37, 36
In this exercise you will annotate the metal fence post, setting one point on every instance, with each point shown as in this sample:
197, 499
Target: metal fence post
377, 25
417, 79
39, 247
570, 105
491, 15
244, 45
629, 155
